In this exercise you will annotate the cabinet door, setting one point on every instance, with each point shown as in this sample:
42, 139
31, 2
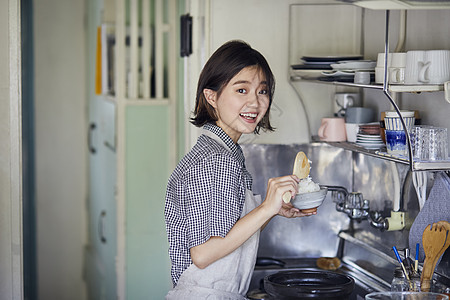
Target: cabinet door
94, 275
102, 213
147, 171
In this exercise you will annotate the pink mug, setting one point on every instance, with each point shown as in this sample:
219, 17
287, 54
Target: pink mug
332, 130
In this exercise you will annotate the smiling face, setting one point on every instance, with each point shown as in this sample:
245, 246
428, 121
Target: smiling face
242, 103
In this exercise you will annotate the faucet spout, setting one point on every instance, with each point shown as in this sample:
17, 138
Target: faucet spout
339, 194
377, 221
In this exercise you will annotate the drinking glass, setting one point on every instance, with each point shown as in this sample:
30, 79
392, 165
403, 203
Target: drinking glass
430, 143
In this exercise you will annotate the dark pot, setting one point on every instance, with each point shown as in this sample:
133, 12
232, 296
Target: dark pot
309, 284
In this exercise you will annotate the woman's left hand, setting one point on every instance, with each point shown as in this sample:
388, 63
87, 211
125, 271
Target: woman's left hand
289, 211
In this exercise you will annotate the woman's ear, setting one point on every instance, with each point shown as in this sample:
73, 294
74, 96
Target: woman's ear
210, 96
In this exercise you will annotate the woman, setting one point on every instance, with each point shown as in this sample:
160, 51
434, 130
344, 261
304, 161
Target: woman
212, 217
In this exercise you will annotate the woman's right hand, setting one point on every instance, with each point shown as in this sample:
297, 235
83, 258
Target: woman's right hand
276, 187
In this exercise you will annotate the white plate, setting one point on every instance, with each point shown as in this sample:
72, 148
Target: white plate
328, 58
339, 73
369, 139
310, 200
370, 144
318, 62
368, 135
355, 65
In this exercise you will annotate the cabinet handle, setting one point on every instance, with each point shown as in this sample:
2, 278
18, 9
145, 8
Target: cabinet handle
109, 146
92, 126
101, 226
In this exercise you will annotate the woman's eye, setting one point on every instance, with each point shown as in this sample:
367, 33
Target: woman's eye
242, 91
263, 92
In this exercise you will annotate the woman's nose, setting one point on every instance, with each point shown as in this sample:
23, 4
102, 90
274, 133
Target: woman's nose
253, 100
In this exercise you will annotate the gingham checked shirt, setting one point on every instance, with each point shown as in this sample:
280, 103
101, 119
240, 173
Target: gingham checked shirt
205, 195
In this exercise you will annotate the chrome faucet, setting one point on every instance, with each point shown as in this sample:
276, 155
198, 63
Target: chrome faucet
356, 207
377, 221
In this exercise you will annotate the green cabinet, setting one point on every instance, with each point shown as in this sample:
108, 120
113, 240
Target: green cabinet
133, 149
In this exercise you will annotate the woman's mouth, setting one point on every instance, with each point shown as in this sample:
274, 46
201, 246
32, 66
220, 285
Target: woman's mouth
249, 116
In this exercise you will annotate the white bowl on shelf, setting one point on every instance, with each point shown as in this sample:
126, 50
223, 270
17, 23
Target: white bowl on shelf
310, 200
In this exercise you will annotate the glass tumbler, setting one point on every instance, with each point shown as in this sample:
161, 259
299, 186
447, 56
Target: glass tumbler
430, 143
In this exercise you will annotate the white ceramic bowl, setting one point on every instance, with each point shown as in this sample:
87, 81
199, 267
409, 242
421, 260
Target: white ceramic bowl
310, 200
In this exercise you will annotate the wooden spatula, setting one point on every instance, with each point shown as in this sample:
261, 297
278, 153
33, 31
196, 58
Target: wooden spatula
301, 170
445, 226
435, 241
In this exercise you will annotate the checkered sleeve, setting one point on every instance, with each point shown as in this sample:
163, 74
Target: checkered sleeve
214, 198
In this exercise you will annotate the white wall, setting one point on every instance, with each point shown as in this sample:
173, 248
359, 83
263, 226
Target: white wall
265, 26
60, 108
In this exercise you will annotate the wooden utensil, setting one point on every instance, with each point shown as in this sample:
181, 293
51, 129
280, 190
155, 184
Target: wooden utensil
435, 242
445, 226
301, 170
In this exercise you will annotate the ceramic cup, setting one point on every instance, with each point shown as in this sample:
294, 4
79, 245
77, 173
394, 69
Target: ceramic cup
379, 69
351, 130
381, 59
427, 67
362, 77
415, 64
397, 68
447, 91
344, 100
332, 130
379, 75
392, 120
436, 67
396, 142
359, 115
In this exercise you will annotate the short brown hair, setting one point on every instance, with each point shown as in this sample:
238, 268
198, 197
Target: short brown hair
222, 66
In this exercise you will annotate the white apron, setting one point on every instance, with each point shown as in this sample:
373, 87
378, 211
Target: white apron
227, 278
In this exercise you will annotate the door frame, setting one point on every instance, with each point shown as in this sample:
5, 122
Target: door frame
11, 241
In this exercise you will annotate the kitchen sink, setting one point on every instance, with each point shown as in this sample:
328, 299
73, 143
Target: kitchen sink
365, 283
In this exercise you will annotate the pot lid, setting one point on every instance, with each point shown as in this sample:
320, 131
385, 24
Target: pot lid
309, 284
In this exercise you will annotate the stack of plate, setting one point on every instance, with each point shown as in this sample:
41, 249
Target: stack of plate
325, 62
344, 70
354, 65
370, 128
369, 141
312, 66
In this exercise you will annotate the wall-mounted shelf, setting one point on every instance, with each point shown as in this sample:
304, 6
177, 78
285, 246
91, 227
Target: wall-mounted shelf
396, 88
401, 4
417, 165
313, 77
